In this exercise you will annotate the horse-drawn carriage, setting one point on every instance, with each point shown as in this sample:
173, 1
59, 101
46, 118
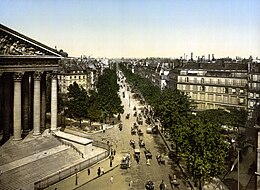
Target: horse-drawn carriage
135, 125
173, 181
160, 159
132, 143
148, 154
137, 154
140, 132
133, 131
125, 162
149, 185
141, 143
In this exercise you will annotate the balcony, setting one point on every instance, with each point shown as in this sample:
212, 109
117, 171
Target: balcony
213, 83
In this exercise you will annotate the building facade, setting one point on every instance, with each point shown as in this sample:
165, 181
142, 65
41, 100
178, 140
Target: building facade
24, 64
214, 86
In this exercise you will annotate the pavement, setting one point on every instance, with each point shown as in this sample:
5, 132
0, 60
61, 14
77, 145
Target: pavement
82, 177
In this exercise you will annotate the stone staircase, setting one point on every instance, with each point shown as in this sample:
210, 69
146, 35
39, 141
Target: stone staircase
15, 150
35, 159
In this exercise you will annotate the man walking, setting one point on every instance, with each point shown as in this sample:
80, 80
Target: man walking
99, 171
111, 179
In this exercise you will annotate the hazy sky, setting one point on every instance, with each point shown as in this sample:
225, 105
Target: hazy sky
139, 28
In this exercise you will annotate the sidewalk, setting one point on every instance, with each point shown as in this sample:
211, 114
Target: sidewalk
82, 177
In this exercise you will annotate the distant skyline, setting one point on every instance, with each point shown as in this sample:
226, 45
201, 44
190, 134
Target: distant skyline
139, 28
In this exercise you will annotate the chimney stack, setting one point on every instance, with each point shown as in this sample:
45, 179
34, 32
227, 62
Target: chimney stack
209, 57
213, 57
191, 56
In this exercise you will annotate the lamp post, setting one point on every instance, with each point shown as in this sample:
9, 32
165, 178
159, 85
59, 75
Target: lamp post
238, 149
76, 182
129, 100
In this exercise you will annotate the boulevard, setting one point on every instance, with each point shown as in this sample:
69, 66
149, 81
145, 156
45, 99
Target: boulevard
138, 173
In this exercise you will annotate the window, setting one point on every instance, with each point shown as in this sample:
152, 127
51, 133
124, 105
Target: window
79, 77
202, 80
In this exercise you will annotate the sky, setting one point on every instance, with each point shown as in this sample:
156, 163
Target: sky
139, 28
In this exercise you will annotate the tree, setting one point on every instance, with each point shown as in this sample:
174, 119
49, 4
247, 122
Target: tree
107, 91
77, 103
206, 150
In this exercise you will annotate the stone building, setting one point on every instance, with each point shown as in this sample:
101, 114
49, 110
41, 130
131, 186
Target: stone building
24, 64
84, 72
214, 86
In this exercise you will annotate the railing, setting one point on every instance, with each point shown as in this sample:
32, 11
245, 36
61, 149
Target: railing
67, 172
101, 145
69, 144
236, 84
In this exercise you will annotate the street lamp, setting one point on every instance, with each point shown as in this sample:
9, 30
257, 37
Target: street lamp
129, 100
76, 182
238, 149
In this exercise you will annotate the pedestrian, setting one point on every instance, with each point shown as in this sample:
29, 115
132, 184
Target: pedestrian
114, 152
98, 171
148, 162
88, 171
111, 179
131, 184
162, 186
102, 171
111, 163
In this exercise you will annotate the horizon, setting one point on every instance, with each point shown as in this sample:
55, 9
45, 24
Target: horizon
139, 29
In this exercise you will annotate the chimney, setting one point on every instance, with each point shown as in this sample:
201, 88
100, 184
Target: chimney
209, 57
213, 57
191, 56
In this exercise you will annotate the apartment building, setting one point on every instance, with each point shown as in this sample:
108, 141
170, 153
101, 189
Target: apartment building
84, 72
214, 86
75, 74
253, 85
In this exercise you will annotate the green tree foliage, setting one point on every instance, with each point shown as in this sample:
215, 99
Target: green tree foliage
206, 149
78, 103
230, 117
108, 88
95, 105
149, 91
94, 111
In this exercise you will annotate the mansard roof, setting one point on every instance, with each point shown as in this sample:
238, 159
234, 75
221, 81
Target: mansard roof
15, 44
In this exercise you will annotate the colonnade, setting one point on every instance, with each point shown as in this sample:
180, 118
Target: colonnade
23, 103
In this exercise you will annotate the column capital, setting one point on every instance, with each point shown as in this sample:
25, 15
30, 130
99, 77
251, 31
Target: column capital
54, 74
37, 75
18, 76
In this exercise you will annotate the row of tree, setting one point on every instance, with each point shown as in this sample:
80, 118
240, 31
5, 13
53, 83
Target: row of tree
145, 87
198, 138
95, 105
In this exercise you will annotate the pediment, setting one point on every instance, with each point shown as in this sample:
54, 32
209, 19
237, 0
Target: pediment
15, 44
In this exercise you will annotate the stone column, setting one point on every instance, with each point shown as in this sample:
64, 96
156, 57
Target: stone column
37, 103
7, 106
43, 101
17, 105
54, 102
25, 104
31, 87
1, 102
